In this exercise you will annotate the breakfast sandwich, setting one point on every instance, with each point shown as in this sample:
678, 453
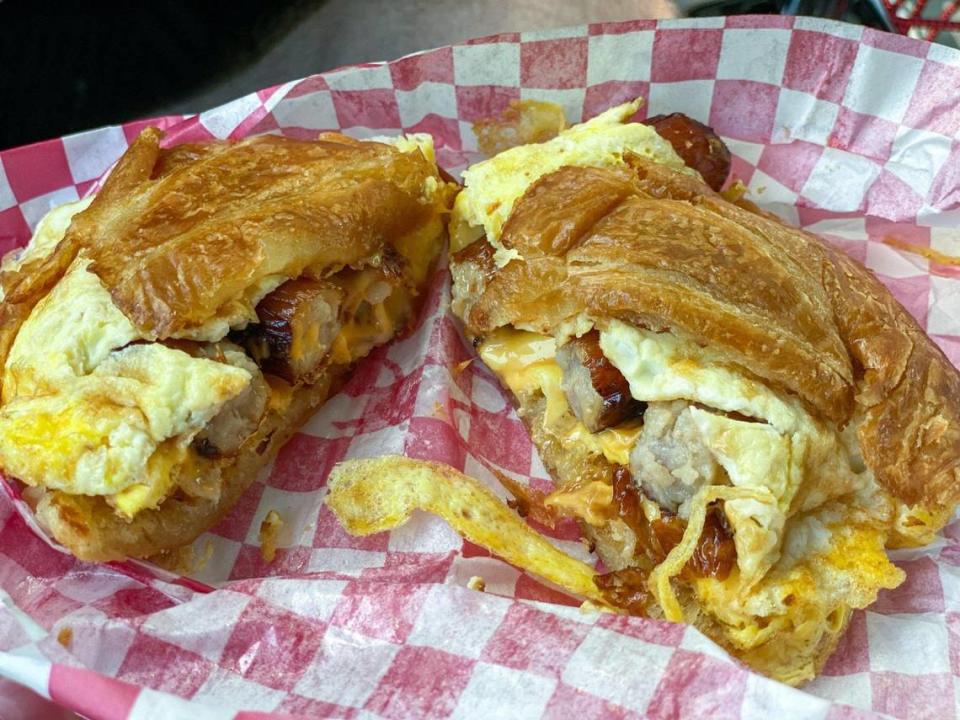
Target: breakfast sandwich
160, 341
741, 418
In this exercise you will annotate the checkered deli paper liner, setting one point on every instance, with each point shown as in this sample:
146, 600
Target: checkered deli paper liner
847, 132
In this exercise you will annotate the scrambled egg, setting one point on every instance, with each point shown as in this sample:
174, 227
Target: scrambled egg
98, 433
69, 333
492, 187
85, 411
50, 230
89, 408
775, 456
803, 507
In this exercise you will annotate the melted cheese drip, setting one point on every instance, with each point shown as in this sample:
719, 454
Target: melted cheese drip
592, 502
493, 186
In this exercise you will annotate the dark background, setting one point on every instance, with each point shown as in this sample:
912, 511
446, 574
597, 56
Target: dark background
71, 66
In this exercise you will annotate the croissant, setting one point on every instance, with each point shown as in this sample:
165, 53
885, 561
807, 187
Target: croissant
741, 418
160, 342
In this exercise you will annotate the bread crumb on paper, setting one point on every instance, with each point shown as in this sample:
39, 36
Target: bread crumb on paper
588, 607
183, 560
439, 411
269, 531
735, 191
477, 583
65, 636
179, 560
522, 122
457, 368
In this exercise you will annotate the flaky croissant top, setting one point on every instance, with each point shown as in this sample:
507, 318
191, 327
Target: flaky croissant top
177, 234
659, 249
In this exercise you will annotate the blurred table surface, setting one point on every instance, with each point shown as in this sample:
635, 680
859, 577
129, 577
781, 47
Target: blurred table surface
343, 32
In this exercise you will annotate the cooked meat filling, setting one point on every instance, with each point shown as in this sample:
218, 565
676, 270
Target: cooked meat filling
598, 394
239, 418
298, 323
670, 461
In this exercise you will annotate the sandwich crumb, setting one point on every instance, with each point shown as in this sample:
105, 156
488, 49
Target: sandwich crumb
183, 560
65, 636
735, 192
477, 583
522, 122
588, 607
457, 368
439, 411
178, 560
269, 530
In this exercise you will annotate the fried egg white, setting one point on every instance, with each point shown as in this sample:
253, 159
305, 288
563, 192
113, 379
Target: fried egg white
804, 510
87, 413
493, 186
50, 230
96, 434
786, 450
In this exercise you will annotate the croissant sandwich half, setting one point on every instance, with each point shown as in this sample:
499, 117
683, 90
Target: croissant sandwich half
159, 343
741, 418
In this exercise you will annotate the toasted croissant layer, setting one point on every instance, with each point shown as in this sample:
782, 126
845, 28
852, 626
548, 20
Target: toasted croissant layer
786, 419
160, 342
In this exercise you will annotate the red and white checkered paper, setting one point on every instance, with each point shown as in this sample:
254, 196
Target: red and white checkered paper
848, 132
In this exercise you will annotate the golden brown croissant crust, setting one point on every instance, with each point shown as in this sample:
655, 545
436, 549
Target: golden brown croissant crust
175, 234
661, 250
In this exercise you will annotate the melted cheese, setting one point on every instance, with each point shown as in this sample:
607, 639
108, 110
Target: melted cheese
493, 186
592, 502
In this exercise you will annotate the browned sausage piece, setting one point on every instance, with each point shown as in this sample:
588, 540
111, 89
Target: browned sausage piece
698, 145
298, 322
239, 418
598, 393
